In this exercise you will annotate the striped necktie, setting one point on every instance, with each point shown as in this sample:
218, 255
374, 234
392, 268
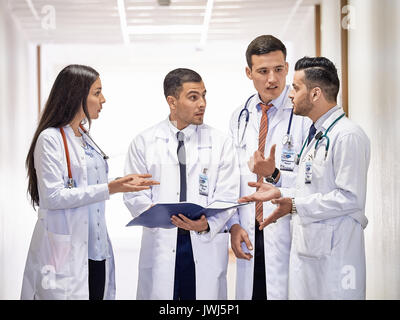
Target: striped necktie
261, 147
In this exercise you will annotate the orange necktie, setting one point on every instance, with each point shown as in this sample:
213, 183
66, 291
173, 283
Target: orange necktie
261, 147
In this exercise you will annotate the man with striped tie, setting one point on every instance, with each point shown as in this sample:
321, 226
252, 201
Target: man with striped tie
266, 122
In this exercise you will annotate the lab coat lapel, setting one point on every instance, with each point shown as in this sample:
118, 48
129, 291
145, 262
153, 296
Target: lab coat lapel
75, 150
323, 128
253, 128
280, 114
255, 123
166, 141
90, 142
330, 119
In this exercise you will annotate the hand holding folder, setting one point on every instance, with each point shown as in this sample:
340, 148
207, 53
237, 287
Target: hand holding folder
159, 215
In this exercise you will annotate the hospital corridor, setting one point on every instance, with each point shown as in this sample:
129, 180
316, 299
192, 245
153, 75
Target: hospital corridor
133, 45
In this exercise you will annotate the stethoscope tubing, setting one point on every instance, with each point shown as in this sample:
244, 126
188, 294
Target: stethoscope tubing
324, 136
246, 110
70, 182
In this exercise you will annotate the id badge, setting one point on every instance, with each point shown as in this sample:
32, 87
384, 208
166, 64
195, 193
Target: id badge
203, 183
308, 170
288, 157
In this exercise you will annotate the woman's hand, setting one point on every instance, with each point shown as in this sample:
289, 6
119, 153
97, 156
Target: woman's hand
131, 183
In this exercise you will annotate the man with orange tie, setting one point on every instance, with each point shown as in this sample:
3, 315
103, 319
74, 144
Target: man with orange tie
264, 122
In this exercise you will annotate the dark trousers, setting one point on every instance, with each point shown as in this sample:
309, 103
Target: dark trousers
259, 281
185, 275
97, 279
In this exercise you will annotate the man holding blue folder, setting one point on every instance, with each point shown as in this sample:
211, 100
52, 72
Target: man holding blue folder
194, 163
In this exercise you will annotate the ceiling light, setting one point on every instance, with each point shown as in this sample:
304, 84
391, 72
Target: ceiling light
164, 2
122, 20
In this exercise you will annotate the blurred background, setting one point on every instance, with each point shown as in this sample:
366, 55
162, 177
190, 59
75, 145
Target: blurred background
133, 44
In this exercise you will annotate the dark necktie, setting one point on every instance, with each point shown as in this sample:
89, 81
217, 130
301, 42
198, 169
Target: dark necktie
182, 164
311, 133
185, 274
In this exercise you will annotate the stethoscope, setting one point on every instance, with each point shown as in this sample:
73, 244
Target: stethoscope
318, 137
70, 182
105, 157
245, 112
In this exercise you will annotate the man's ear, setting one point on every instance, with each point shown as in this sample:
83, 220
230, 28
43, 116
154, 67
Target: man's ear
171, 102
248, 73
315, 94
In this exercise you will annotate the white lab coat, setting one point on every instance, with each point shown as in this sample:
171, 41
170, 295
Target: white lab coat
57, 262
327, 259
155, 151
277, 237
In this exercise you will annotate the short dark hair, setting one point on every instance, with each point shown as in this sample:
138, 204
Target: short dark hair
176, 78
262, 45
320, 72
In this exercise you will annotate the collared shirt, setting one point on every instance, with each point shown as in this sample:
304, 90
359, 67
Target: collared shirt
318, 124
187, 131
277, 104
96, 174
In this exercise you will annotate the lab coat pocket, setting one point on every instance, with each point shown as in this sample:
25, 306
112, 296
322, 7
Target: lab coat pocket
214, 253
59, 249
319, 174
313, 240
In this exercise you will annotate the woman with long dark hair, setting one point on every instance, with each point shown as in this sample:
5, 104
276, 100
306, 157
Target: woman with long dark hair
70, 255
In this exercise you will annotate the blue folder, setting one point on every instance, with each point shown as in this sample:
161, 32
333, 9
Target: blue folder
159, 216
